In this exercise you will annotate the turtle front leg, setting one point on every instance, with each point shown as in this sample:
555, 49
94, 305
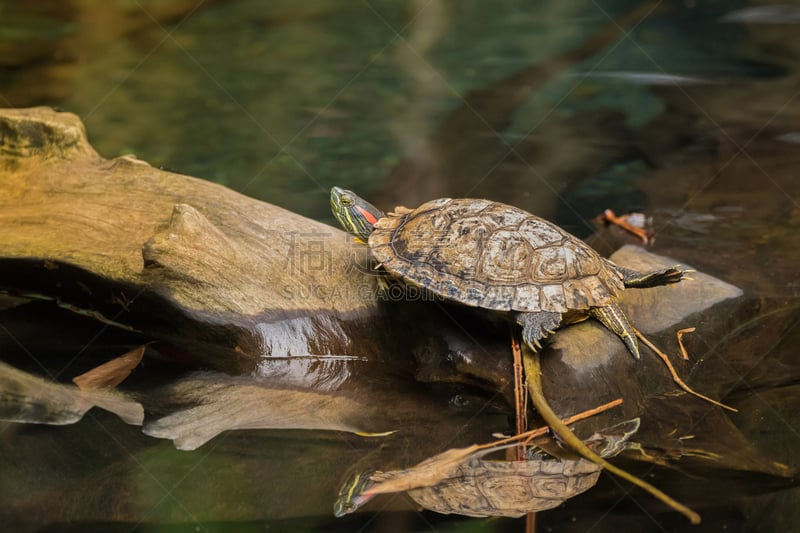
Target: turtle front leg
612, 317
537, 326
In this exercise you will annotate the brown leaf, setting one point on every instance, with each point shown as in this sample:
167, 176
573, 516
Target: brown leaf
110, 374
427, 473
25, 398
435, 469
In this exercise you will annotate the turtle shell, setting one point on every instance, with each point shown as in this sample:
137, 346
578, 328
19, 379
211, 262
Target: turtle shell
492, 255
507, 488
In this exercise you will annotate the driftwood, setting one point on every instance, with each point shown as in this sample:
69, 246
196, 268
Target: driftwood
171, 256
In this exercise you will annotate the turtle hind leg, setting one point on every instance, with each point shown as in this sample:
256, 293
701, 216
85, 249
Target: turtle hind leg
612, 317
537, 326
639, 280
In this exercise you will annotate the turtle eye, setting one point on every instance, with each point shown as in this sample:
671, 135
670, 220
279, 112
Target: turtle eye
346, 200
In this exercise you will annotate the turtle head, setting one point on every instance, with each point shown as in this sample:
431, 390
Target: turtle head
353, 493
356, 215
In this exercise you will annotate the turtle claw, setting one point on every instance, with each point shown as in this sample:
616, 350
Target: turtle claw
537, 326
683, 271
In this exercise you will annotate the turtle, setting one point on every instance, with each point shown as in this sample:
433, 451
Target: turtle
490, 255
483, 487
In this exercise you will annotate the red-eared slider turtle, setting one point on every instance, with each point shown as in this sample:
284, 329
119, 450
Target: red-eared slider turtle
478, 487
495, 256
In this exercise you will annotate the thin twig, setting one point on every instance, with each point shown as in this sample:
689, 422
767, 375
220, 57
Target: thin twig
586, 414
538, 432
665, 358
680, 334
518, 405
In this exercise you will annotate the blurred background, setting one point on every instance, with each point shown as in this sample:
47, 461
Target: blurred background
281, 100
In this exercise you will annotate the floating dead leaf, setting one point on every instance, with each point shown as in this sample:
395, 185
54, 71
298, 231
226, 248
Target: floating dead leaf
434, 469
31, 399
363, 486
445, 472
635, 223
110, 374
427, 473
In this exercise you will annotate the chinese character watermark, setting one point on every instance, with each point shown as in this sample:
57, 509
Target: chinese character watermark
308, 252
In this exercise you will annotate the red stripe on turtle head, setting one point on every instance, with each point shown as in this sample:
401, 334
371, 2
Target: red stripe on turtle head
366, 214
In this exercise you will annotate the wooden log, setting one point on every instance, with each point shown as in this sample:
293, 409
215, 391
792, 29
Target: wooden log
175, 257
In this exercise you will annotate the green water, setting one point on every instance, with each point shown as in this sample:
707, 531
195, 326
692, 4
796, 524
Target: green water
281, 102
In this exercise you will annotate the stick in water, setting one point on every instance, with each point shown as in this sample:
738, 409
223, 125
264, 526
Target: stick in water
533, 372
675, 376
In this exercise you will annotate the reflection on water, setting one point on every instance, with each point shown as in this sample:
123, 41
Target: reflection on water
692, 118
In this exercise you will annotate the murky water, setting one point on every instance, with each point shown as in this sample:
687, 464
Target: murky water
693, 116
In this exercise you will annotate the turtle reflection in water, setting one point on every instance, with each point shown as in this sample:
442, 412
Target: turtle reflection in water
478, 487
482, 487
494, 256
